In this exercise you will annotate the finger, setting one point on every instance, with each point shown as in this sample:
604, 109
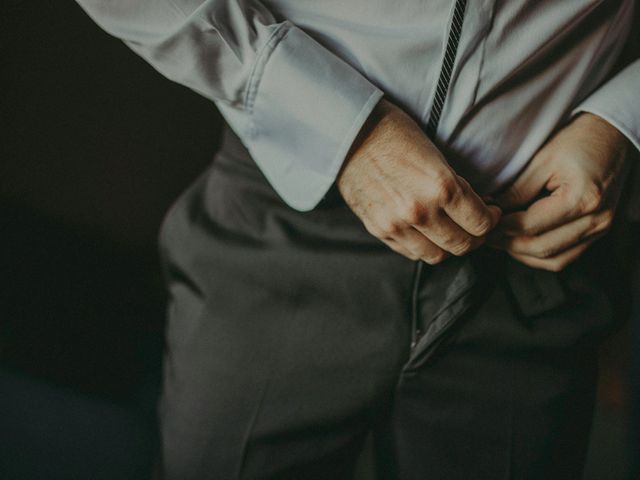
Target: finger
525, 188
558, 262
396, 247
467, 210
421, 247
557, 240
561, 207
447, 235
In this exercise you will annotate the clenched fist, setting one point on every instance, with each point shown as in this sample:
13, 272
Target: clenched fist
401, 187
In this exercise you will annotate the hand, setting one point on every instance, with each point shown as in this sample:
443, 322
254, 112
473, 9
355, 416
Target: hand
566, 196
399, 184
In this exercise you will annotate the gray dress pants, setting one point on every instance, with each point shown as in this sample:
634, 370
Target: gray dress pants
292, 336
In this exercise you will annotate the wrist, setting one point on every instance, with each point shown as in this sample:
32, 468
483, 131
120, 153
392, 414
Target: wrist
379, 112
605, 130
358, 146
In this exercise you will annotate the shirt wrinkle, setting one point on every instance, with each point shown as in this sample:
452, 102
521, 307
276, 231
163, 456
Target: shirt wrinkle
295, 79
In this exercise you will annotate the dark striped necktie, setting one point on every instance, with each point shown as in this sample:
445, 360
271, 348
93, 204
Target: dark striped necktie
447, 67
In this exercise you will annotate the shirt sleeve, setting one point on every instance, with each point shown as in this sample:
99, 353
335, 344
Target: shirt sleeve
296, 106
618, 102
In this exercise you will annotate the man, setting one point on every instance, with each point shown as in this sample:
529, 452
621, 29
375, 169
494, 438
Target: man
343, 288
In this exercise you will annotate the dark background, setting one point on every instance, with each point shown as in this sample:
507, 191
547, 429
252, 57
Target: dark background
95, 147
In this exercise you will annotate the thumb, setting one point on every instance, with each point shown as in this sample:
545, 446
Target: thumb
528, 185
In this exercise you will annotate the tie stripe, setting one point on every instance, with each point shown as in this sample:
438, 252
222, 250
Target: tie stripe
447, 67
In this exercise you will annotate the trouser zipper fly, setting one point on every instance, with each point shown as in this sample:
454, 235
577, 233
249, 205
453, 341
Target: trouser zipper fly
416, 332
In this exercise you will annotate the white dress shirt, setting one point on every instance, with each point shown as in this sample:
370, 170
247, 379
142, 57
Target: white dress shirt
296, 79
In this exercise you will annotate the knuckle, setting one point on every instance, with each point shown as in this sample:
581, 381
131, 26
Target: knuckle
435, 258
571, 194
412, 256
445, 188
389, 227
441, 257
426, 256
448, 242
532, 246
591, 198
542, 251
424, 251
462, 247
529, 230
415, 213
374, 230
482, 226
574, 202
606, 220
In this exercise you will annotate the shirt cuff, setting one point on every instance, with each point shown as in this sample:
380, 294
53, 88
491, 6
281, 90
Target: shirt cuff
306, 108
618, 102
